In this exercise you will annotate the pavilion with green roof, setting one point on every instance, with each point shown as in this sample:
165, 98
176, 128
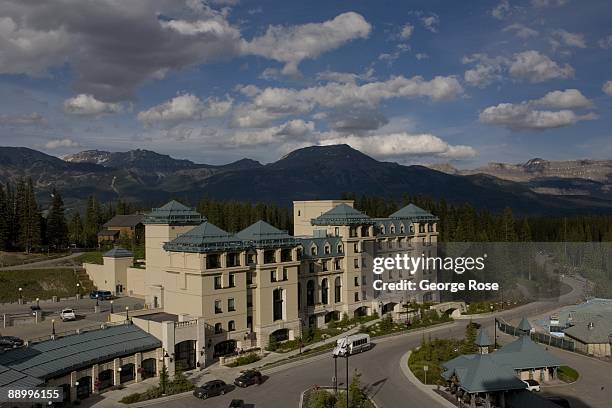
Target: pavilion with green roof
414, 213
342, 214
205, 238
263, 235
174, 213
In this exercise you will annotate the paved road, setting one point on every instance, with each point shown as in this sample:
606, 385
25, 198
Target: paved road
383, 379
46, 264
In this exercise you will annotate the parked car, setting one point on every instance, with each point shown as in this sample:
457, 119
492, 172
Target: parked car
236, 404
532, 385
248, 377
210, 389
10, 342
101, 294
67, 314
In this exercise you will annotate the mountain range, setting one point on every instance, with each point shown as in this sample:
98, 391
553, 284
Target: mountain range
317, 172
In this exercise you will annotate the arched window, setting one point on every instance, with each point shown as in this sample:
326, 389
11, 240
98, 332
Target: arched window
324, 291
340, 248
402, 229
392, 229
310, 293
382, 229
218, 328
313, 250
337, 290
277, 304
231, 326
327, 249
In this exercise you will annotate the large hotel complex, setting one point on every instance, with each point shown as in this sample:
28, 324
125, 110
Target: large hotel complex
227, 291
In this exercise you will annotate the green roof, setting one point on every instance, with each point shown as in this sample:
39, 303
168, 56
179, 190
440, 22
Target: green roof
14, 378
342, 214
523, 353
206, 237
595, 331
118, 252
412, 212
480, 373
174, 213
263, 235
54, 358
482, 339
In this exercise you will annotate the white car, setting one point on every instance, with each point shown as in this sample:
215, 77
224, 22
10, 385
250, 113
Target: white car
532, 385
67, 314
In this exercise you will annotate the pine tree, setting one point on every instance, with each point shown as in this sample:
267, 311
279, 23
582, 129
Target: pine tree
4, 219
57, 230
76, 233
29, 216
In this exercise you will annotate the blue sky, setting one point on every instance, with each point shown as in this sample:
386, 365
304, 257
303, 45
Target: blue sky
407, 81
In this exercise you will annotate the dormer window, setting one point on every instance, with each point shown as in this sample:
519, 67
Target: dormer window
392, 229
327, 249
340, 249
382, 229
402, 229
313, 250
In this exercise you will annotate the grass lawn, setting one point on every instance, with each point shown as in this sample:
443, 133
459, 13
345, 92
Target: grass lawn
567, 374
432, 354
36, 283
94, 257
20, 258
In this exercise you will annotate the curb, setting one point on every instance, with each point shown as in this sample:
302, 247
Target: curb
403, 362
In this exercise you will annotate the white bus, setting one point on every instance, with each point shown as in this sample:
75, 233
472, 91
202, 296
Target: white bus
352, 344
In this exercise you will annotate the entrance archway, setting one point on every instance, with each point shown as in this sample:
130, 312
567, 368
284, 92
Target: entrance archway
127, 373
332, 316
224, 348
388, 307
361, 311
105, 380
280, 334
149, 368
185, 354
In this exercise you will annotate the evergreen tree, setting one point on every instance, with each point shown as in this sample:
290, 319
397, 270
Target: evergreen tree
76, 233
28, 216
4, 220
57, 230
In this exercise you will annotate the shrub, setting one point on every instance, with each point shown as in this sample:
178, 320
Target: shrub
130, 399
567, 374
247, 359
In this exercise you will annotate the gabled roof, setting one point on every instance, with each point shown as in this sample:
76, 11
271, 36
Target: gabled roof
261, 234
524, 325
131, 220
479, 373
118, 252
174, 213
342, 214
482, 339
412, 212
206, 237
595, 331
523, 353
52, 358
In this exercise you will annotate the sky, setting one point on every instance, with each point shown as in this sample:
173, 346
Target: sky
215, 81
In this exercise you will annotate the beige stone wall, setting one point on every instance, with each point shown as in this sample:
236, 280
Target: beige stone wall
113, 272
136, 281
304, 211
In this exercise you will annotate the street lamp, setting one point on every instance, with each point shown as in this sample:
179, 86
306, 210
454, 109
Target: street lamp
20, 295
37, 303
97, 302
111, 303
53, 327
78, 289
127, 313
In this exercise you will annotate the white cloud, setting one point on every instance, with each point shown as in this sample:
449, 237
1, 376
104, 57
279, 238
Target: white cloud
548, 3
401, 144
502, 10
607, 88
536, 67
61, 143
406, 32
184, 108
274, 103
291, 131
421, 56
354, 120
568, 99
565, 38
345, 77
606, 42
204, 28
527, 115
27, 119
293, 44
87, 105
431, 22
486, 71
521, 31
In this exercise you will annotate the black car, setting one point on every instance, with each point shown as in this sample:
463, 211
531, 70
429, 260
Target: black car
101, 295
247, 378
210, 389
10, 342
236, 404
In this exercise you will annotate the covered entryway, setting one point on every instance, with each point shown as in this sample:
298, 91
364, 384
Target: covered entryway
149, 368
388, 307
185, 354
105, 380
224, 348
332, 316
361, 311
65, 392
83, 387
127, 373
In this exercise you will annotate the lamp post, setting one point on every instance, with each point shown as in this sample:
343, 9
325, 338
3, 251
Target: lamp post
127, 313
20, 296
37, 303
111, 304
97, 301
78, 290
53, 327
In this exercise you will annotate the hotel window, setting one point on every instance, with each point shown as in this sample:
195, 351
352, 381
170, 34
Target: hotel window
231, 326
327, 249
232, 280
218, 282
231, 306
325, 268
218, 328
324, 291
310, 300
252, 259
337, 231
430, 227
421, 227
412, 229
273, 275
336, 265
356, 296
277, 304
285, 274
218, 306
392, 229
313, 250
356, 247
382, 229
356, 281
249, 278
356, 263
340, 249
337, 290
311, 267
401, 229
